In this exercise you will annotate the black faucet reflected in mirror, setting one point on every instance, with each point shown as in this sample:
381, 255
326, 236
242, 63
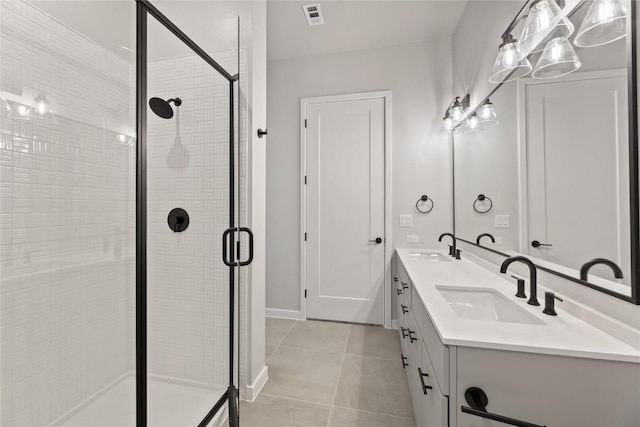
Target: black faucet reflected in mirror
493, 240
533, 276
452, 249
584, 270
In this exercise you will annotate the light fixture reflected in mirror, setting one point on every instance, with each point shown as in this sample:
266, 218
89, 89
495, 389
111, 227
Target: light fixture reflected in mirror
511, 62
487, 114
42, 105
605, 22
541, 24
558, 59
23, 110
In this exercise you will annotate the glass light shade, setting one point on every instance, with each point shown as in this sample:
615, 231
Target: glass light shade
557, 59
23, 110
510, 64
541, 24
471, 124
605, 22
487, 114
456, 112
448, 123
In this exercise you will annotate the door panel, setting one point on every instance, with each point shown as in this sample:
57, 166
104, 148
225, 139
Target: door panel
345, 210
577, 178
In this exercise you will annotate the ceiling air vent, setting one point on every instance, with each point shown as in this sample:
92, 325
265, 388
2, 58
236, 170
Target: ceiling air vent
313, 14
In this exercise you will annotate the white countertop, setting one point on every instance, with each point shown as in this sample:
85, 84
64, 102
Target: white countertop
563, 335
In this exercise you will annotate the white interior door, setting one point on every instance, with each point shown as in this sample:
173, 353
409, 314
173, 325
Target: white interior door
345, 146
577, 168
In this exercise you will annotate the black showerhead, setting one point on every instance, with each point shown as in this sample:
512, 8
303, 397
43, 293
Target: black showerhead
162, 107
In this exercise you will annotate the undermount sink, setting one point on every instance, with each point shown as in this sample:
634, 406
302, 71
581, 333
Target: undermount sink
429, 256
485, 304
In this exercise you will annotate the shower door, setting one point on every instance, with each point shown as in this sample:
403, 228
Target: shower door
187, 236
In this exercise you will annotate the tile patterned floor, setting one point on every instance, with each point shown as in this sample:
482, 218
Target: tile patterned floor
326, 374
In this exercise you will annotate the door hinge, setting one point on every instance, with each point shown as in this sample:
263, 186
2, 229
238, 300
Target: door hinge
305, 293
305, 180
305, 237
305, 122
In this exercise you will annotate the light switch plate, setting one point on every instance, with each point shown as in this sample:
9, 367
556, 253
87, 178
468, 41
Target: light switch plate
413, 238
501, 221
406, 220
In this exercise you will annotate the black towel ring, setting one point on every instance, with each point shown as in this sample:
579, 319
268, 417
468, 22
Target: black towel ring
424, 198
482, 198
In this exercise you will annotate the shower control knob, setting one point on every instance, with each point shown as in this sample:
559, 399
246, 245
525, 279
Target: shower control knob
178, 220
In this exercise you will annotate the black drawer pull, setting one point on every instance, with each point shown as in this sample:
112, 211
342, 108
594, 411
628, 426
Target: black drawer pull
405, 310
411, 337
404, 332
399, 291
478, 400
424, 387
405, 286
404, 364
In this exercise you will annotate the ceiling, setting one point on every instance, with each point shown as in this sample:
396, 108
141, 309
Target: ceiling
357, 25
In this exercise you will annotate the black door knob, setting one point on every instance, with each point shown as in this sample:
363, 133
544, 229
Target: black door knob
537, 244
378, 240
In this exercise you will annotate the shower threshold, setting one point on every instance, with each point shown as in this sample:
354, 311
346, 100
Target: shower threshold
171, 404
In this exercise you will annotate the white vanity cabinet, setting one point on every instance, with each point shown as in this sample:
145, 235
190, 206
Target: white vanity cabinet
536, 388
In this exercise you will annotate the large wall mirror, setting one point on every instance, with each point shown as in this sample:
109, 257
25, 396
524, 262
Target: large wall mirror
556, 178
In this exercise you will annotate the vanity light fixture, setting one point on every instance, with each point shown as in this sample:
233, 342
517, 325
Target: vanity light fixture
455, 112
557, 59
449, 123
543, 23
605, 22
473, 123
487, 114
511, 62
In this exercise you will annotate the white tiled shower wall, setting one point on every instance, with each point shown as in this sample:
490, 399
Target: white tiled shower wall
67, 224
67, 290
188, 167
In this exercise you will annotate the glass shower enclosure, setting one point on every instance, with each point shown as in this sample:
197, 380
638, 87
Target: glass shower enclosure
121, 170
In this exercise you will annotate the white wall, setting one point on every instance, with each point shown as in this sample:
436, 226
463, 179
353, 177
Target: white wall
475, 44
419, 76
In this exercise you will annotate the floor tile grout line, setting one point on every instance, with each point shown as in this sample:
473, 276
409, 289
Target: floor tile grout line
372, 412
335, 391
281, 341
296, 400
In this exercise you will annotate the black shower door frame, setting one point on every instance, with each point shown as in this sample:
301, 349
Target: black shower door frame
143, 9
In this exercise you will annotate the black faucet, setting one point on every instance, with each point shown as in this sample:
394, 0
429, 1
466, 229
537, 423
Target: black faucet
533, 279
452, 249
485, 235
584, 270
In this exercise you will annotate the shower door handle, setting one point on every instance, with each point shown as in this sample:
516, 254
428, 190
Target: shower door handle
250, 258
225, 244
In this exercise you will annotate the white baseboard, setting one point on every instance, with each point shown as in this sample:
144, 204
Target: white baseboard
394, 324
284, 314
251, 392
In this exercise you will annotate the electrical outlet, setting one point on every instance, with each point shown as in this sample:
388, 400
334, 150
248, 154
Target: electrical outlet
501, 221
406, 220
413, 238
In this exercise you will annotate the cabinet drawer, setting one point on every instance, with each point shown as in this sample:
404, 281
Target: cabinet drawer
435, 406
438, 352
414, 355
405, 284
